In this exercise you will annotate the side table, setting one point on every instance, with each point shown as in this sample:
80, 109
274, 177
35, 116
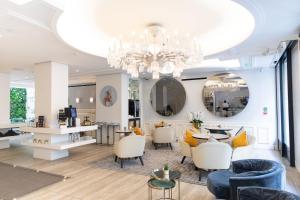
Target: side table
154, 183
173, 175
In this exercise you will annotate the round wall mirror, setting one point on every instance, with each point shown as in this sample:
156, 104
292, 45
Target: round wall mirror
167, 96
225, 94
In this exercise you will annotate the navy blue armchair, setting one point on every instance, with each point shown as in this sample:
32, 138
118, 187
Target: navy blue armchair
250, 172
259, 193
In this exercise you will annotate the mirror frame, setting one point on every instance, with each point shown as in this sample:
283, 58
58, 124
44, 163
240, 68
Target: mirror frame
181, 87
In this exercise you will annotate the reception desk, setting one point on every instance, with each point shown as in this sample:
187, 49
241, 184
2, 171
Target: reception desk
53, 143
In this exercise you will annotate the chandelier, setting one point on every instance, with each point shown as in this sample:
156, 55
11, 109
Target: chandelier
155, 51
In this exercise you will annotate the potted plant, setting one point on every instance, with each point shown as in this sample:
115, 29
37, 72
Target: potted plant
195, 119
166, 172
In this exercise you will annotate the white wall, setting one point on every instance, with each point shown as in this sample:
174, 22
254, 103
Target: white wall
261, 85
5, 98
296, 100
119, 111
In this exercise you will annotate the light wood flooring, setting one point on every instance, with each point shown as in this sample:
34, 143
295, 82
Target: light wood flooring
88, 182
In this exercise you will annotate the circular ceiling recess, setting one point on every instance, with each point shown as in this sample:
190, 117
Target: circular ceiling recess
91, 25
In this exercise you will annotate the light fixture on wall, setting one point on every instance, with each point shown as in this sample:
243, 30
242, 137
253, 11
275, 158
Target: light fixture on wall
155, 51
77, 100
91, 99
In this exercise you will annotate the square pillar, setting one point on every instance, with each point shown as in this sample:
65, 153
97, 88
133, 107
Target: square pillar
51, 91
118, 112
5, 99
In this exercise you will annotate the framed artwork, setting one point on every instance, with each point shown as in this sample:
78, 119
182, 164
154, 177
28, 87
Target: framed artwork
108, 96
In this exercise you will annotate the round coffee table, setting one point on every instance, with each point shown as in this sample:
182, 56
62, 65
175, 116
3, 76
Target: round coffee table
217, 136
164, 185
125, 132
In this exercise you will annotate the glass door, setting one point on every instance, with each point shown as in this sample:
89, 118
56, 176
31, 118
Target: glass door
285, 112
285, 119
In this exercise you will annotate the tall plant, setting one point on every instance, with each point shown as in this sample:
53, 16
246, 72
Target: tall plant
18, 98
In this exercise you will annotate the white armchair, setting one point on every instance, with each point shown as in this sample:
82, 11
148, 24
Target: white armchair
132, 146
212, 155
245, 152
163, 135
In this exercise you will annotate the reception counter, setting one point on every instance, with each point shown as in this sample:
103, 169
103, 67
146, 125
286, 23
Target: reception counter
53, 143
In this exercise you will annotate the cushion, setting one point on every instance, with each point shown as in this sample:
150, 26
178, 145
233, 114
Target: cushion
240, 140
218, 183
189, 138
137, 131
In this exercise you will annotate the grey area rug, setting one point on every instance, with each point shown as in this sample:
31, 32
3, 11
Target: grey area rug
154, 159
18, 181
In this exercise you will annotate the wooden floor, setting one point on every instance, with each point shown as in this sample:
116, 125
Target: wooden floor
88, 182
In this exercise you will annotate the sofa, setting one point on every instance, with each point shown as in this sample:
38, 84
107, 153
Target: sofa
258, 193
249, 172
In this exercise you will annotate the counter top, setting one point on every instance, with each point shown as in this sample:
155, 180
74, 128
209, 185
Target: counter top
58, 130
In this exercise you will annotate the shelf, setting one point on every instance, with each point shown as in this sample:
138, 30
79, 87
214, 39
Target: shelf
59, 146
8, 126
16, 137
59, 131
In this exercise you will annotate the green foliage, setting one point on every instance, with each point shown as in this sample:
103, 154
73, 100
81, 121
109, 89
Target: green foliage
18, 98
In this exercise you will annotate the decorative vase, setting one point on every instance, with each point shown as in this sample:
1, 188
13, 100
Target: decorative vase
166, 175
197, 125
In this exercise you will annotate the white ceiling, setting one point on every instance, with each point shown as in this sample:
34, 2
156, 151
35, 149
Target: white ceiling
29, 37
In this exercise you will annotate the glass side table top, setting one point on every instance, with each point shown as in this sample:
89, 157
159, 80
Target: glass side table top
161, 184
173, 175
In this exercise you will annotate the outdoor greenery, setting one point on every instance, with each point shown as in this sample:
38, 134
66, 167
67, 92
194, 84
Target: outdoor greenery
18, 104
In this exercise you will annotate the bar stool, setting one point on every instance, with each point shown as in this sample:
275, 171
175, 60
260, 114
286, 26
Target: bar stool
100, 128
113, 126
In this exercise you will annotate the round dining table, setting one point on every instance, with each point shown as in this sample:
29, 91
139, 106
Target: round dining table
218, 130
217, 136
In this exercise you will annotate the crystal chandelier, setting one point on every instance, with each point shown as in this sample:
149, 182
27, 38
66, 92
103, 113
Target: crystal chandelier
155, 51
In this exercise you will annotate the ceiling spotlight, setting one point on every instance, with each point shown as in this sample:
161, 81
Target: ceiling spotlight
20, 2
77, 100
91, 99
77, 70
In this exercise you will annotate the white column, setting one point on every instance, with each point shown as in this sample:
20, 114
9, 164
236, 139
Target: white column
296, 99
5, 99
51, 91
4, 105
118, 113
51, 94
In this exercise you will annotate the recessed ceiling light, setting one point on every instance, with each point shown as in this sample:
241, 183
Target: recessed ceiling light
77, 70
20, 2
